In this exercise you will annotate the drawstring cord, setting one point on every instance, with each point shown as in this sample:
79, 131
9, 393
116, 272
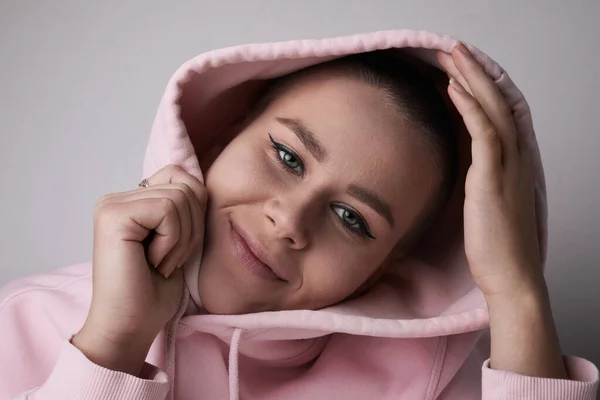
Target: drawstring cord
234, 351
171, 337
234, 386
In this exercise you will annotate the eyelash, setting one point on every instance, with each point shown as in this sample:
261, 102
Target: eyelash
278, 148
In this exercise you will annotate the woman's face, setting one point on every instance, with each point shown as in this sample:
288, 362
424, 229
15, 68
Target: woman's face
308, 201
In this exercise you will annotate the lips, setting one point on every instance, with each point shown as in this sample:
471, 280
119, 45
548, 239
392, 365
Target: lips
253, 256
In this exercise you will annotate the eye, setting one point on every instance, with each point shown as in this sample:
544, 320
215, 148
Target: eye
352, 220
288, 158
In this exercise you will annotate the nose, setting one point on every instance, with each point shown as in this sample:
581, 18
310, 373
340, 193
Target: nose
287, 221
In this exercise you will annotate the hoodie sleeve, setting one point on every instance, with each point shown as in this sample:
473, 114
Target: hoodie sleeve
583, 384
76, 377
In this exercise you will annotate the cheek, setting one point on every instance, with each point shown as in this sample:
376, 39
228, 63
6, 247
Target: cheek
333, 273
238, 174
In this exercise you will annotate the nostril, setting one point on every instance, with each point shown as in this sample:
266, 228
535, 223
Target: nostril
292, 242
271, 219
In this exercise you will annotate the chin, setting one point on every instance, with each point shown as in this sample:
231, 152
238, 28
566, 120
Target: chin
215, 306
225, 306
220, 296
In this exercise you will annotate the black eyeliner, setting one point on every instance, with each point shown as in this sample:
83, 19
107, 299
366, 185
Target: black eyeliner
279, 147
364, 228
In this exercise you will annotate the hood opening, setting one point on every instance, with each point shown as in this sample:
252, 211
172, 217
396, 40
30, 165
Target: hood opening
430, 292
214, 119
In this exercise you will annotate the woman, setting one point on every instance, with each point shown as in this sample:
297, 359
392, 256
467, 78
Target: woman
301, 277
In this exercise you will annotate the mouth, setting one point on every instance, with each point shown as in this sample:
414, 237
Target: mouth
253, 256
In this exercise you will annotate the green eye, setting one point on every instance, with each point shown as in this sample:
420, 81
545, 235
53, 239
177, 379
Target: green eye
288, 158
352, 221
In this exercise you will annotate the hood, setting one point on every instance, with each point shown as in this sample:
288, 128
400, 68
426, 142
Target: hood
430, 293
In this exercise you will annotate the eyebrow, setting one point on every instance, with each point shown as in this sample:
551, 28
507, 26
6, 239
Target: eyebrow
308, 139
371, 199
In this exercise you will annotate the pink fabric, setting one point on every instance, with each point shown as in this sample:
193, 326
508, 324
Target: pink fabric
420, 333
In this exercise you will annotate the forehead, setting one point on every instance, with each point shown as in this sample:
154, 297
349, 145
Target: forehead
367, 140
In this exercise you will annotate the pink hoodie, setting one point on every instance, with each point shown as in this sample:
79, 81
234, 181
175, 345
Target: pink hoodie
420, 333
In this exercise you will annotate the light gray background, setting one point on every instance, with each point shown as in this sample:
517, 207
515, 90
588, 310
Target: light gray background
80, 82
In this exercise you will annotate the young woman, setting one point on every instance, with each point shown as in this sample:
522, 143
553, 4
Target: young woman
321, 255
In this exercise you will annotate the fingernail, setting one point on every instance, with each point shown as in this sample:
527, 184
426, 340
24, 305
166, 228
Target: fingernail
460, 46
177, 266
457, 86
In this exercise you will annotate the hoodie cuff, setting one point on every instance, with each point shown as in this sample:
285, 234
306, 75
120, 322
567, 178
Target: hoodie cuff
582, 385
76, 377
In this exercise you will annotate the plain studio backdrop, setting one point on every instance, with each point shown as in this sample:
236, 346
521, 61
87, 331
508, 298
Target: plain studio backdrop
80, 82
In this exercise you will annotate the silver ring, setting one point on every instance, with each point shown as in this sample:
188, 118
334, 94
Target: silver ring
144, 183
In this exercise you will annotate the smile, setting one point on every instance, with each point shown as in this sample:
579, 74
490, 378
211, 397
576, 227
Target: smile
253, 256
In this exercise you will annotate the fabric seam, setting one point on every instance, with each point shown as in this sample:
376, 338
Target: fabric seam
436, 368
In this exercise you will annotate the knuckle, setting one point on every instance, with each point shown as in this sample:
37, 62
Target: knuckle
506, 113
101, 201
98, 207
473, 106
101, 205
107, 214
168, 206
185, 189
173, 169
169, 210
172, 240
178, 194
490, 133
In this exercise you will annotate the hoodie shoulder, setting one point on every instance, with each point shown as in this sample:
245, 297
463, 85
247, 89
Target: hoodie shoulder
50, 281
60, 294
37, 314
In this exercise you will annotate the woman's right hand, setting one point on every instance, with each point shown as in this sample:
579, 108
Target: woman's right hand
141, 239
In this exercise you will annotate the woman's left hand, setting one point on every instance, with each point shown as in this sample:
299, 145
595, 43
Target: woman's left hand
501, 239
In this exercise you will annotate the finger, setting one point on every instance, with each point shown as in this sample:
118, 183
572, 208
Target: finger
188, 211
197, 194
486, 147
447, 62
168, 285
197, 233
183, 203
487, 93
197, 237
170, 174
175, 174
155, 213
192, 233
